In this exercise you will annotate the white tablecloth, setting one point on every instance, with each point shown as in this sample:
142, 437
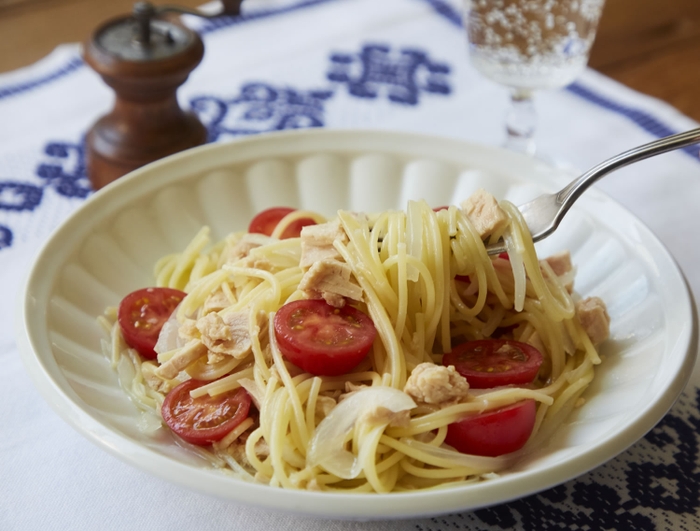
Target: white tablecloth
394, 64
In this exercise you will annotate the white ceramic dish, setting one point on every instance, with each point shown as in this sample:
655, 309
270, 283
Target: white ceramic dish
108, 247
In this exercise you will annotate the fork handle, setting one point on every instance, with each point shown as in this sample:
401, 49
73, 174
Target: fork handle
571, 192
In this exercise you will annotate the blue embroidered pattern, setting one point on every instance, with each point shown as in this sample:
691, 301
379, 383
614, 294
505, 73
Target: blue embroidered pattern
260, 108
66, 172
643, 486
72, 65
647, 122
403, 75
5, 237
19, 196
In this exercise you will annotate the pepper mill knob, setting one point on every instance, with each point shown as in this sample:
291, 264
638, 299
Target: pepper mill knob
145, 59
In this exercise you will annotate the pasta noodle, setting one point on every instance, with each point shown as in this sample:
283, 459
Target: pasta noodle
428, 284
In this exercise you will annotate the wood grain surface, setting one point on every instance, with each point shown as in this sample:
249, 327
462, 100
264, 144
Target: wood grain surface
652, 46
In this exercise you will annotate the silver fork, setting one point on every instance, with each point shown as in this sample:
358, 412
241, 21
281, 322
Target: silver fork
544, 213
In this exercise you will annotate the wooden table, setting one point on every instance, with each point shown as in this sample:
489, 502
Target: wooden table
649, 45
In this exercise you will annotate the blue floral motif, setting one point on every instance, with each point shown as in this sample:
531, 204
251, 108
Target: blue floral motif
67, 171
261, 108
19, 196
403, 75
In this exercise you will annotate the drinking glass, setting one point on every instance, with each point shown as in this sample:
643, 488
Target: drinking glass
530, 45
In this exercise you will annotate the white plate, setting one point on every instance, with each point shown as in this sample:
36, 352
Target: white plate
108, 248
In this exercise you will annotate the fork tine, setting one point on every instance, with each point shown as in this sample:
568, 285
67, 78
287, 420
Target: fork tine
540, 218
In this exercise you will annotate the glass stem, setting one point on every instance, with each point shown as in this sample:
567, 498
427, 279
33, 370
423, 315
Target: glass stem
520, 122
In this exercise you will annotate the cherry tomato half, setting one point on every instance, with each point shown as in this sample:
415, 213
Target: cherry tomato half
266, 221
321, 339
142, 314
493, 362
494, 433
205, 419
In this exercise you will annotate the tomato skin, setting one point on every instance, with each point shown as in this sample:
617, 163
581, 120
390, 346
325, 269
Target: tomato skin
266, 221
141, 316
494, 433
321, 339
206, 419
487, 363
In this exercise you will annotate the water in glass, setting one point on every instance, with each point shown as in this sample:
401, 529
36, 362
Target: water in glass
530, 44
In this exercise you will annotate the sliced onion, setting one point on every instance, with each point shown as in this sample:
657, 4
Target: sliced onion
327, 446
126, 371
169, 337
149, 423
257, 394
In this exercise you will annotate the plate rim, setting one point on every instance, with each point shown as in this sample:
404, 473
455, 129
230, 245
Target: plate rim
62, 398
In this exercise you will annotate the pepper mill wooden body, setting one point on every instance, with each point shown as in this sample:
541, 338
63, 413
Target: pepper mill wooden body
145, 65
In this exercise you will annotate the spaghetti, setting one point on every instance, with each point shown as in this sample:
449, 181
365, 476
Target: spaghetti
426, 281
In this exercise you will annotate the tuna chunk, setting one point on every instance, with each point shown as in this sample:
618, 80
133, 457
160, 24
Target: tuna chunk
561, 266
560, 263
155, 382
190, 353
330, 280
215, 302
226, 334
247, 243
593, 316
436, 384
317, 242
483, 212
379, 415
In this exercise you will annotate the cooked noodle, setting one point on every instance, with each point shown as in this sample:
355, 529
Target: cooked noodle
405, 263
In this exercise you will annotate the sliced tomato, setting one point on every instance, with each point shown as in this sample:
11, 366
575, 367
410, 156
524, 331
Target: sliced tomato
205, 419
494, 433
142, 314
266, 221
321, 339
489, 363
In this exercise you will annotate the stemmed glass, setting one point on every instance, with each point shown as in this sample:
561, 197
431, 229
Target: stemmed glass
530, 45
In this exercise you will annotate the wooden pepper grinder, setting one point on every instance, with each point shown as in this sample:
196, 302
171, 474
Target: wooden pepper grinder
144, 57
